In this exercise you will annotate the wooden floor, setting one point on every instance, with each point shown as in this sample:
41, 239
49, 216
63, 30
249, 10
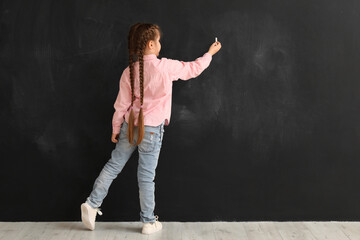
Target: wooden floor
183, 230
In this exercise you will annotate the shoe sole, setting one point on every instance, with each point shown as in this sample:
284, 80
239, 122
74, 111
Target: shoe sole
147, 233
85, 217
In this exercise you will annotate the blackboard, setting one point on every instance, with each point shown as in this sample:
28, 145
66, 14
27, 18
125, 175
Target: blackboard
269, 131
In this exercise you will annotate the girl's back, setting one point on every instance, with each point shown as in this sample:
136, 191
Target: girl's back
158, 77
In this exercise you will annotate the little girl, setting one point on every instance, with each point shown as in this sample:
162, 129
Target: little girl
142, 108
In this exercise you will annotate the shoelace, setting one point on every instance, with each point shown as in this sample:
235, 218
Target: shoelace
156, 218
98, 211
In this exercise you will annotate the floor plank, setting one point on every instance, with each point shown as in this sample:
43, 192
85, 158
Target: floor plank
326, 230
197, 230
182, 231
229, 230
350, 229
294, 231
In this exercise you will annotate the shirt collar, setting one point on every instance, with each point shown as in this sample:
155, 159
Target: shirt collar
149, 56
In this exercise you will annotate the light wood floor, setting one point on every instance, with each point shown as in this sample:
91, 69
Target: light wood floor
183, 230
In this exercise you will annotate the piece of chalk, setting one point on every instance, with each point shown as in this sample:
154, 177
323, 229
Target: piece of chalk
216, 39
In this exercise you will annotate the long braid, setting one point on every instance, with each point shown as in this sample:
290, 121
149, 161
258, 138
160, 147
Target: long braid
130, 131
139, 35
141, 129
142, 41
132, 50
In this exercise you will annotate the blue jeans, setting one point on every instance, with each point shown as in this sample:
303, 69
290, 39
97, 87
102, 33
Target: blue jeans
149, 150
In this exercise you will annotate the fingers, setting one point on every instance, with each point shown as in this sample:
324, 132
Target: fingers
114, 138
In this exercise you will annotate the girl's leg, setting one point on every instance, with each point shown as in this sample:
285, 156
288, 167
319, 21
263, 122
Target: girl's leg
119, 156
149, 151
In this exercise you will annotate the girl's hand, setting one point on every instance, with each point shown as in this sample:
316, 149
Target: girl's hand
214, 48
115, 137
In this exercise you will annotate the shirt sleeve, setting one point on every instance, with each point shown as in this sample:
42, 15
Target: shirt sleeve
122, 102
185, 70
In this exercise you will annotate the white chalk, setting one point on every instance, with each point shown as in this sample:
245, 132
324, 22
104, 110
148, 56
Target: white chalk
215, 39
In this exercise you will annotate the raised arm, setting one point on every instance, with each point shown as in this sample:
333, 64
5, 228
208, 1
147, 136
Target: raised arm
185, 70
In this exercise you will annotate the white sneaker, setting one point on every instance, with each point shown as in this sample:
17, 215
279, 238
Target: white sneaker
88, 215
149, 228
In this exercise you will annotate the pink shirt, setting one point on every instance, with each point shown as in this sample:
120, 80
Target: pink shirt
158, 77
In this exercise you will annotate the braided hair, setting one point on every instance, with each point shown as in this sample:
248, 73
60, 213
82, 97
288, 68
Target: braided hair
139, 35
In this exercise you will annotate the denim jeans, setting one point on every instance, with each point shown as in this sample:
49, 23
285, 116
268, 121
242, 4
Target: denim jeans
149, 151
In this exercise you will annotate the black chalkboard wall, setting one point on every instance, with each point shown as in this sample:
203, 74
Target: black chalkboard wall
270, 131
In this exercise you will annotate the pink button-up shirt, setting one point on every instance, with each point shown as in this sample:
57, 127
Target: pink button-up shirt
158, 77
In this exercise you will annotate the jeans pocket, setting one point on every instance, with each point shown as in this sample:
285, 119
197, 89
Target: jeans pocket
149, 141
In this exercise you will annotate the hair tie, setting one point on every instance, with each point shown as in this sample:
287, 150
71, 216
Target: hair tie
141, 106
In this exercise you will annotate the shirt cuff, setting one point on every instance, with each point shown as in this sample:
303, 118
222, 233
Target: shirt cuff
208, 54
